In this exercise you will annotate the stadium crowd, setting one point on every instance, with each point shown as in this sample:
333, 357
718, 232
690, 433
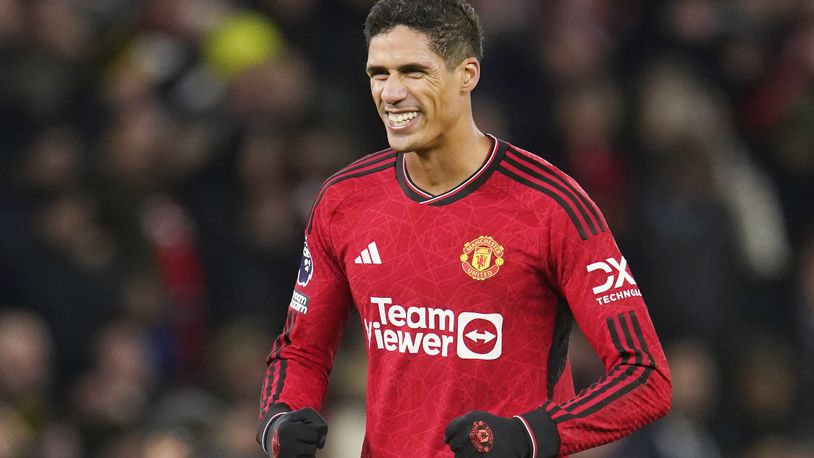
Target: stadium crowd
158, 160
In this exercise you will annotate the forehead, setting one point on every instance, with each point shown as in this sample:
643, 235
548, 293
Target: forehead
401, 45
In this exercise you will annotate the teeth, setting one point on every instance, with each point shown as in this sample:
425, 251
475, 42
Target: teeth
401, 119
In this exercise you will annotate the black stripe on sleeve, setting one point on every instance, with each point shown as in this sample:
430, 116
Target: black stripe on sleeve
272, 361
365, 158
283, 362
629, 340
558, 353
638, 330
615, 375
617, 343
283, 338
276, 365
551, 407
510, 159
268, 385
343, 177
641, 379
588, 204
577, 223
362, 163
280, 380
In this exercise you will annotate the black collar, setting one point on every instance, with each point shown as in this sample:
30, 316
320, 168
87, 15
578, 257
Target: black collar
466, 187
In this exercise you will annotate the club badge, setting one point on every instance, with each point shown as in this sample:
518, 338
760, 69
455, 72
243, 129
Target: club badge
482, 258
481, 437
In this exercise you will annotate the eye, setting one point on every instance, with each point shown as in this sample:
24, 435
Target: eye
415, 74
378, 76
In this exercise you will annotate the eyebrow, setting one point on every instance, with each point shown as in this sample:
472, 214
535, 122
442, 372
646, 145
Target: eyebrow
406, 68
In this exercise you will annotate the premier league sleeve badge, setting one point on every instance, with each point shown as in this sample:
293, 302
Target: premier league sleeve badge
306, 266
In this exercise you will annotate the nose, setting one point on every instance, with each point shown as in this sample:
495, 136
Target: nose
393, 90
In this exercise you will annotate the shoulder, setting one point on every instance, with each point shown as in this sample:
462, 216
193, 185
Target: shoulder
361, 172
525, 164
370, 170
549, 188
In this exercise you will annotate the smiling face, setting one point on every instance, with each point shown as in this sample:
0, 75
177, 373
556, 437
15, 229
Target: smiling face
421, 102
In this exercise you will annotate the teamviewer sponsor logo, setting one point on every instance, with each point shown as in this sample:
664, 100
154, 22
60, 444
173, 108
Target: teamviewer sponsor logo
617, 276
434, 331
480, 335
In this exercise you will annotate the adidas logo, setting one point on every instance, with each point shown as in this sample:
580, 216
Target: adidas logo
370, 255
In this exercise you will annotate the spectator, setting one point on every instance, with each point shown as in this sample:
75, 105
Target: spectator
124, 120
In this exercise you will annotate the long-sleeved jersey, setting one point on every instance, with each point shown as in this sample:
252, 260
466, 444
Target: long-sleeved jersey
467, 299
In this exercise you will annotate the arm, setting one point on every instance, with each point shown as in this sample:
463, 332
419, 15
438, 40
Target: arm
302, 356
594, 279
587, 270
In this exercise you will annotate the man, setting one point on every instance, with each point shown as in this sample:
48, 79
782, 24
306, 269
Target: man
467, 259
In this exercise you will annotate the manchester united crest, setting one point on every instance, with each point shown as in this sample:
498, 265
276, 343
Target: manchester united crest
482, 258
482, 437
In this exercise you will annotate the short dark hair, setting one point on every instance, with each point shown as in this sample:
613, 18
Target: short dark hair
452, 26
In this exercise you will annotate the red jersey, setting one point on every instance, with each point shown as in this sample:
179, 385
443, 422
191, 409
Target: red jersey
467, 299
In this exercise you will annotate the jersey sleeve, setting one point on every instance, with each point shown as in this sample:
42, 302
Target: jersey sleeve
591, 274
302, 356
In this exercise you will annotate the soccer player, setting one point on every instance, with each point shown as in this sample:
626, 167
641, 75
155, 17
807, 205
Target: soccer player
467, 259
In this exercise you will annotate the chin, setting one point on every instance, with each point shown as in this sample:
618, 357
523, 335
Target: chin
401, 143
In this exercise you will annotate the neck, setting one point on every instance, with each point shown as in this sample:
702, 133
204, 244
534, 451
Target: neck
440, 169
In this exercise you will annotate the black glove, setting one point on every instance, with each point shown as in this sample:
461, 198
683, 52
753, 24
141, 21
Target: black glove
296, 434
480, 433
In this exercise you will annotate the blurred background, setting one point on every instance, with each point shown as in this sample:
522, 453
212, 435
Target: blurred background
158, 160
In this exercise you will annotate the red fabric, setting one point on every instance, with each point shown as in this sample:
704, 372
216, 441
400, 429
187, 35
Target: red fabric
442, 343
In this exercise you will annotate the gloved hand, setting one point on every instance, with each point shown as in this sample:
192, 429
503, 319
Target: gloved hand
296, 434
480, 433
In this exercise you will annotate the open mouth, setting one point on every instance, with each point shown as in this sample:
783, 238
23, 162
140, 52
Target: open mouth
400, 120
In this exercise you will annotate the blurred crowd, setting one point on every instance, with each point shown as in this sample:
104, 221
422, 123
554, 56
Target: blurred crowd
158, 160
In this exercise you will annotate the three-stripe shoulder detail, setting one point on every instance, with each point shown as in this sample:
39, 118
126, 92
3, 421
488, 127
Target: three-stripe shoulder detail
372, 163
537, 174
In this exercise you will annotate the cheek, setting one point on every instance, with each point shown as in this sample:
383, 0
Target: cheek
448, 107
447, 97
376, 92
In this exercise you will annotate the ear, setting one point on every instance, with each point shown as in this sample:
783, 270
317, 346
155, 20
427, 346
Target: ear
470, 74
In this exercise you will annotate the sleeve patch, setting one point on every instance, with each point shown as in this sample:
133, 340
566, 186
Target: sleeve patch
306, 266
299, 302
